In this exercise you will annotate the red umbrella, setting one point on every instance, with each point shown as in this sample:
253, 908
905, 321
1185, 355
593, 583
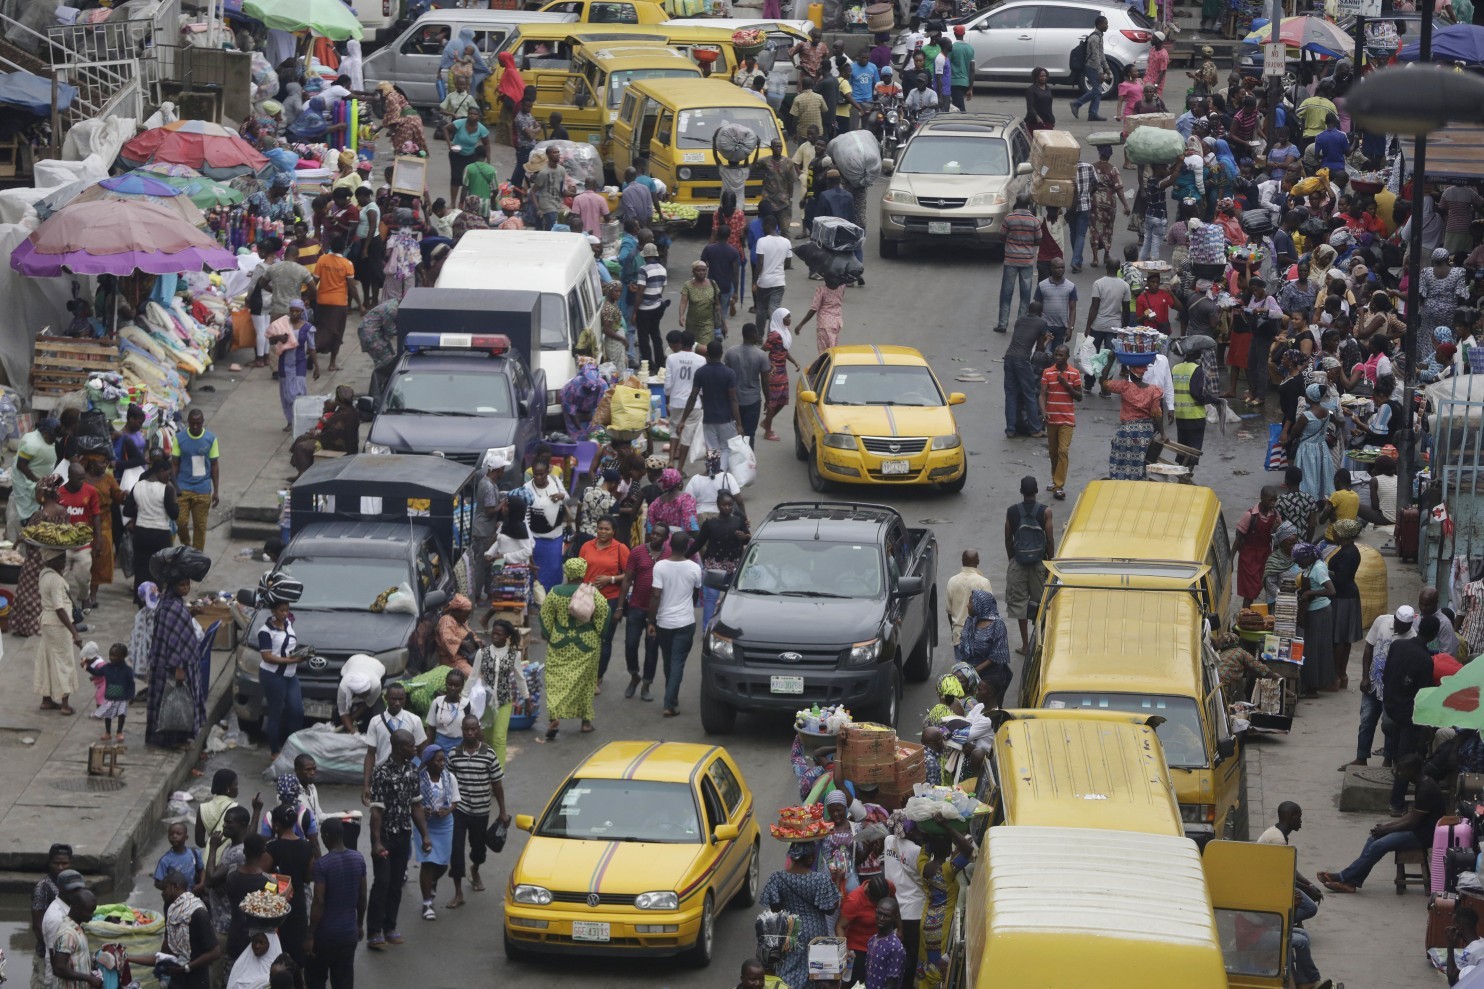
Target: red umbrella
209, 148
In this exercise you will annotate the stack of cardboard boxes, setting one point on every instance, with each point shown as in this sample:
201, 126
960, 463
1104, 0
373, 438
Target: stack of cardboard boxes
1054, 157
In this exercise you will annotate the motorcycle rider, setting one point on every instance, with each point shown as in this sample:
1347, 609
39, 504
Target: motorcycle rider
922, 102
888, 99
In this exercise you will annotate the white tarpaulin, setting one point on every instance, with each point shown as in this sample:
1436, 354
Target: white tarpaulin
101, 136
31, 304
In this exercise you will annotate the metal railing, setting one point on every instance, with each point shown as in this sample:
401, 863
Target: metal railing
113, 88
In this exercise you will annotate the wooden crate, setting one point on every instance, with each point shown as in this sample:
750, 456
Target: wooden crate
63, 364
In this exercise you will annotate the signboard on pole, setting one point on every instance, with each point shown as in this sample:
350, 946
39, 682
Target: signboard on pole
1339, 10
1274, 53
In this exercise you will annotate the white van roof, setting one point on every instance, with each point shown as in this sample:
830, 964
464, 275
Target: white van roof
735, 23
535, 260
477, 18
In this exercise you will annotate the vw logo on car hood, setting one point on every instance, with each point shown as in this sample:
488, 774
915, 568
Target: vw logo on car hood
790, 657
592, 899
316, 662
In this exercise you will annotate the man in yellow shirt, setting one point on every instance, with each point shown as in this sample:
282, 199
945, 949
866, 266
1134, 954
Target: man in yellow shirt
1343, 504
1314, 111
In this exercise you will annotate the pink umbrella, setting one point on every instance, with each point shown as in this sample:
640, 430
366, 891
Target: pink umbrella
209, 148
117, 237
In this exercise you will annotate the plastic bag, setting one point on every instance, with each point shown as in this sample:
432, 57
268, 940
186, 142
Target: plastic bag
1086, 352
857, 156
579, 159
341, 758
836, 266
1154, 146
178, 709
734, 143
401, 602
629, 408
741, 460
836, 234
179, 563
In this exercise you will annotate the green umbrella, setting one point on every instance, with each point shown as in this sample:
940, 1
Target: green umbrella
330, 18
1455, 702
204, 192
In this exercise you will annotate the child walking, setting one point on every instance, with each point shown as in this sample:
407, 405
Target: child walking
113, 682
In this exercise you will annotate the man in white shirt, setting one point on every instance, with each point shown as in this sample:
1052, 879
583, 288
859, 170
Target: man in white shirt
768, 278
680, 375
899, 866
379, 734
359, 690
1378, 639
1306, 900
1158, 374
672, 613
1111, 300
960, 586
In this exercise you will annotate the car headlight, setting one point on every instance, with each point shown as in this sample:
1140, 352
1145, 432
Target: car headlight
899, 196
250, 661
839, 441
377, 448
949, 442
987, 199
1198, 813
395, 660
684, 174
657, 901
508, 452
535, 896
864, 653
721, 647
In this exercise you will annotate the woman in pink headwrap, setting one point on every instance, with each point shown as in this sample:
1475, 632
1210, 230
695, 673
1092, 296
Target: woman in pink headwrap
454, 641
673, 507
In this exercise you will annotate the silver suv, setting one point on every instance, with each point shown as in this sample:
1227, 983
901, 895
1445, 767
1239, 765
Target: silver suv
1013, 39
955, 180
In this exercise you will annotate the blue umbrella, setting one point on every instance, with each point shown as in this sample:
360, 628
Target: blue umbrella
1455, 43
133, 184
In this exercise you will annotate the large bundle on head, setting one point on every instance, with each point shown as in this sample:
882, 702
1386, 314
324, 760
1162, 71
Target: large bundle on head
735, 144
857, 156
1154, 146
579, 160
170, 566
835, 267
276, 587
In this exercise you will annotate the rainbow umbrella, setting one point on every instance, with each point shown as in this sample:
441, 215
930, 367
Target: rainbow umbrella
1308, 33
117, 237
211, 149
330, 18
205, 193
139, 188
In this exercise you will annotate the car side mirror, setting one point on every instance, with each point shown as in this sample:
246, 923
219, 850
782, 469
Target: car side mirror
1226, 747
434, 601
717, 580
525, 822
1024, 168
523, 409
908, 587
725, 832
957, 398
247, 598
982, 25
807, 397
366, 405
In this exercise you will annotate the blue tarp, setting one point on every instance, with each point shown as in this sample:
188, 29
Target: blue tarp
1455, 43
32, 92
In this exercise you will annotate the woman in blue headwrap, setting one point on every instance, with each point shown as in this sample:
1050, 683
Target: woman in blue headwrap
1315, 594
985, 642
310, 125
1312, 454
461, 58
1433, 366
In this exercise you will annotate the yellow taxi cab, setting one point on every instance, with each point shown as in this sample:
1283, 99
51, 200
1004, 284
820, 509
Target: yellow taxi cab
636, 853
668, 124
611, 11
592, 90
877, 415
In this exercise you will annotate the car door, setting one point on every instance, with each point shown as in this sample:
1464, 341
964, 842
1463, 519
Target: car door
626, 132
1059, 29
732, 870
416, 66
807, 422
1251, 888
906, 611
1004, 41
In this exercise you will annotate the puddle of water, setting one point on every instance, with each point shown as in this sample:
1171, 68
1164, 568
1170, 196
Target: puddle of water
16, 937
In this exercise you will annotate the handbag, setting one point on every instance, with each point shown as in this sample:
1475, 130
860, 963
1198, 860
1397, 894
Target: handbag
178, 709
494, 838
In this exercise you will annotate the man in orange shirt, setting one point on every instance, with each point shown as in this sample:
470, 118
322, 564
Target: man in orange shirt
337, 291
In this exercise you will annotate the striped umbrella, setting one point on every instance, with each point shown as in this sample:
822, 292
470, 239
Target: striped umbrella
1309, 33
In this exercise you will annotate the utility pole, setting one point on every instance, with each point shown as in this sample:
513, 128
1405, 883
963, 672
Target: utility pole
1414, 277
1274, 72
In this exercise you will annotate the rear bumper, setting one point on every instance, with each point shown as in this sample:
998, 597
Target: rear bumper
750, 688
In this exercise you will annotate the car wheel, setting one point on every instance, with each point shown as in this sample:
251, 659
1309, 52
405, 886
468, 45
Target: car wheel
1110, 90
956, 486
700, 955
514, 952
717, 716
747, 895
888, 247
885, 711
801, 452
817, 481
920, 664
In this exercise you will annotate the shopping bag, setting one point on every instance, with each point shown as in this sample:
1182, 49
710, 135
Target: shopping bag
741, 461
178, 710
1086, 351
1276, 457
495, 837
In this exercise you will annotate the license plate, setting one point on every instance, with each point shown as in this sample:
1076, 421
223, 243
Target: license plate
940, 227
323, 710
896, 467
587, 930
787, 685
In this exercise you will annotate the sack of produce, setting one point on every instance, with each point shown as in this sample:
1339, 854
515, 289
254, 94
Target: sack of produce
422, 688
1154, 146
857, 156
836, 234
734, 144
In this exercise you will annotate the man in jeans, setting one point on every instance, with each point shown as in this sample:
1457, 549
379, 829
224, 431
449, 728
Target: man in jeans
1027, 553
1080, 213
636, 593
751, 366
1408, 832
773, 252
1156, 211
396, 808
197, 476
1022, 244
1030, 336
672, 613
548, 186
1095, 73
337, 916
716, 386
1058, 299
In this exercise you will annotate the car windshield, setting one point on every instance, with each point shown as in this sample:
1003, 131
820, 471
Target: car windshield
471, 392
346, 584
554, 322
811, 569
875, 384
697, 126
950, 154
623, 810
1181, 735
619, 80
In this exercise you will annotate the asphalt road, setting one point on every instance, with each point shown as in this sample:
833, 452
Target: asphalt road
942, 301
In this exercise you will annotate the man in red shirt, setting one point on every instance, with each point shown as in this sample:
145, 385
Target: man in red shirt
81, 502
1155, 300
1061, 389
1022, 248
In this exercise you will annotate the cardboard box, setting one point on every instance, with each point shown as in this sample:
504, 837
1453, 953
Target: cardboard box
827, 958
1052, 192
1164, 121
1054, 154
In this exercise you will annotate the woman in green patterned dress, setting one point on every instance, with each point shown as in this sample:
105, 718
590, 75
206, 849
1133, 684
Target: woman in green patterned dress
572, 649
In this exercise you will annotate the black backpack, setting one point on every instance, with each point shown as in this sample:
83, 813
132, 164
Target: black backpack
1029, 541
1078, 60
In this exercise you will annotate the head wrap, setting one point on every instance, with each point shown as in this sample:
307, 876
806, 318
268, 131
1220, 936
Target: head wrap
1286, 530
1105, 152
1439, 255
1445, 353
575, 568
1304, 554
775, 325
271, 107
1314, 393
149, 595
1442, 334
288, 788
713, 463
801, 851
655, 463
460, 603
950, 685
611, 475
346, 159
1346, 528
1328, 363
670, 479
837, 798
430, 750
1342, 237
283, 180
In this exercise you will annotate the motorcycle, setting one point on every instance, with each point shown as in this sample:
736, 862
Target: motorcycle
891, 128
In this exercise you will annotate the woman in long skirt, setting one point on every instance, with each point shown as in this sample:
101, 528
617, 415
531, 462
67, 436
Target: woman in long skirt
1140, 415
777, 345
110, 495
1107, 188
499, 670
174, 657
1343, 564
1312, 454
1315, 601
440, 792
572, 650
808, 895
25, 613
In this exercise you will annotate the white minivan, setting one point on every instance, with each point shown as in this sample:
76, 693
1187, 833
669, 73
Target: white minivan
410, 61
557, 265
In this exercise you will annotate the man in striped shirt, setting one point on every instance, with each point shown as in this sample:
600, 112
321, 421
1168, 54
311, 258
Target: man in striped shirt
481, 780
1022, 244
1061, 389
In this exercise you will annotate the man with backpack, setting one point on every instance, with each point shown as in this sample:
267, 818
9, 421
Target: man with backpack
1028, 545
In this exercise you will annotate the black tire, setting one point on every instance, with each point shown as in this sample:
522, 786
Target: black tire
753, 884
717, 716
885, 712
514, 952
801, 452
817, 481
700, 955
919, 665
889, 248
956, 486
1111, 89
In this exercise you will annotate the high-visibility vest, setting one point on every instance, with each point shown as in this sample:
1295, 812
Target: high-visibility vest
1185, 406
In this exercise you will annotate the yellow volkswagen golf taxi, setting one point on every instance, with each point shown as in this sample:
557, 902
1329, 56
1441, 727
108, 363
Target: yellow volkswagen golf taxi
636, 853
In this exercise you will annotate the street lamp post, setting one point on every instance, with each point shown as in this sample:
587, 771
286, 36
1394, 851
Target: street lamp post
1414, 277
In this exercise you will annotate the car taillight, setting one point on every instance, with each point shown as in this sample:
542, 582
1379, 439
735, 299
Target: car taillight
1137, 37
386, 8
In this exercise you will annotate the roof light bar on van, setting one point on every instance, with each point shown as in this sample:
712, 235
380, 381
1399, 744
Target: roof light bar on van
494, 343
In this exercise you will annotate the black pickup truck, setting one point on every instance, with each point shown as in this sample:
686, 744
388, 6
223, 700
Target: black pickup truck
834, 602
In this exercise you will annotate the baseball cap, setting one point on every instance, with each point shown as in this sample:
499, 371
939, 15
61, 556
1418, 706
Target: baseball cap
70, 879
1406, 614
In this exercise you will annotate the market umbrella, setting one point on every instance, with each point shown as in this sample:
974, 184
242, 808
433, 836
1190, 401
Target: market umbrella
1454, 43
1416, 99
136, 188
117, 237
330, 18
1453, 703
169, 169
209, 148
1309, 33
204, 192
